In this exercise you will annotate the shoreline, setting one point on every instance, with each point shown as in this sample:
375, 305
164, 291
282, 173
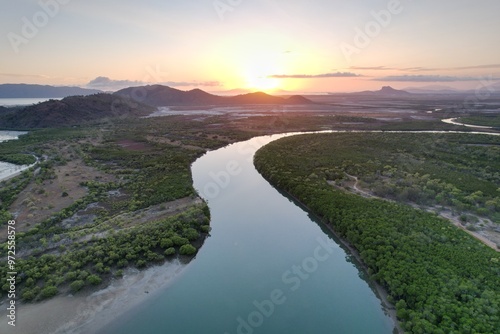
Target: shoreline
379, 290
453, 121
89, 312
4, 175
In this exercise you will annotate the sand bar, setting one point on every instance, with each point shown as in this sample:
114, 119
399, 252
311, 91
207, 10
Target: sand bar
87, 313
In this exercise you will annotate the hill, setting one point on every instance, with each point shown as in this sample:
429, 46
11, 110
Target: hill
433, 89
72, 111
41, 91
158, 95
386, 91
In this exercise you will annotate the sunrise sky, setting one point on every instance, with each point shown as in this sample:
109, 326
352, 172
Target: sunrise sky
296, 45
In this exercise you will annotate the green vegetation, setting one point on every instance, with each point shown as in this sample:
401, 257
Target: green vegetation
492, 120
440, 279
153, 175
18, 159
128, 173
187, 250
456, 171
122, 218
88, 262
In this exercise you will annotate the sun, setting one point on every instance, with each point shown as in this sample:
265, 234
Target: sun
262, 83
256, 73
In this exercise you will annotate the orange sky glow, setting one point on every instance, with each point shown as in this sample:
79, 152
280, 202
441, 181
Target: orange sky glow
321, 46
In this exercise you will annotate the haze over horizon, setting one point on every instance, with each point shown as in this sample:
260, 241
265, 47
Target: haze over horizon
328, 46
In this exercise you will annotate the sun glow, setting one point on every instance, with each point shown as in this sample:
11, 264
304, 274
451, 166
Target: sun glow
262, 83
256, 71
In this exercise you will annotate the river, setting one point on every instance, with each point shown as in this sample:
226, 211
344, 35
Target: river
268, 266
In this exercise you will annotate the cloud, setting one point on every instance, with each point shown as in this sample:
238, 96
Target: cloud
427, 78
372, 68
489, 66
105, 83
424, 69
384, 68
314, 76
15, 75
108, 84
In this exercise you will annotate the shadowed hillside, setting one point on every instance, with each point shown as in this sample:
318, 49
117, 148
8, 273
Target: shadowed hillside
158, 95
72, 110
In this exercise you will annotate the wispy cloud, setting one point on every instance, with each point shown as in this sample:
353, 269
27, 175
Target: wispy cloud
427, 78
109, 84
385, 68
15, 75
105, 83
489, 66
315, 76
424, 69
372, 68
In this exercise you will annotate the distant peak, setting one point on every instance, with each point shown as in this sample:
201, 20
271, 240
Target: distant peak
387, 89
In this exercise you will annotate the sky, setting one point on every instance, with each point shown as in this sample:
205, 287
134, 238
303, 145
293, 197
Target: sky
217, 45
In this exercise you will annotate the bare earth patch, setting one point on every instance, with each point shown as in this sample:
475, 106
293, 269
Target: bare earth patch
38, 202
156, 212
178, 143
132, 145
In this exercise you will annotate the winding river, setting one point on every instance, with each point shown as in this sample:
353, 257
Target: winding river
267, 267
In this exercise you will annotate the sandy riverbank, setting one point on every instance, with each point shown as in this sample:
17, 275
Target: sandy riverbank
88, 313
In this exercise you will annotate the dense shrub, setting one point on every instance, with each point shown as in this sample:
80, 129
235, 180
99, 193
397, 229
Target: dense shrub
187, 250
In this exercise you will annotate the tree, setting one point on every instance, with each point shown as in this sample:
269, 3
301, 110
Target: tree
77, 285
169, 251
94, 280
49, 291
187, 250
28, 295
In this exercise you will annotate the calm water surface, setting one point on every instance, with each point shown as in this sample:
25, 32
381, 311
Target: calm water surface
266, 268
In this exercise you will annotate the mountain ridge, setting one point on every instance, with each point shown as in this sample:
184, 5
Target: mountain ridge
160, 96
